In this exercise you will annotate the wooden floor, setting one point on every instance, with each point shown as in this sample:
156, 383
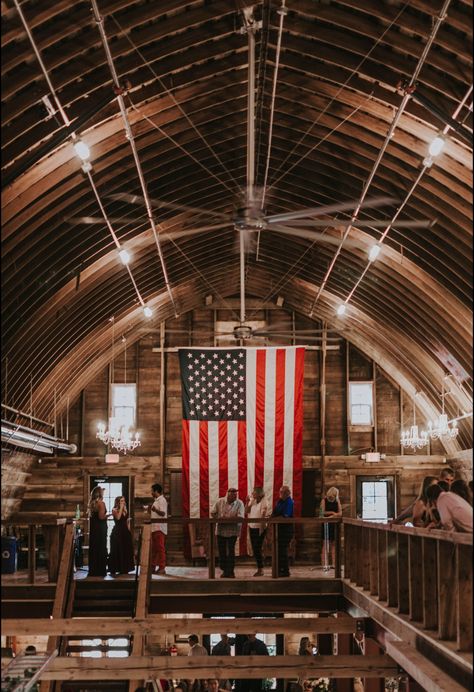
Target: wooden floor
181, 572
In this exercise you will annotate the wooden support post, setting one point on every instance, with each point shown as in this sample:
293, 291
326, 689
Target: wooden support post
162, 401
374, 563
322, 406
402, 573
464, 597
382, 566
211, 551
337, 550
364, 547
374, 408
447, 590
51, 543
274, 530
31, 553
415, 578
401, 429
344, 647
430, 581
348, 408
142, 596
392, 569
371, 648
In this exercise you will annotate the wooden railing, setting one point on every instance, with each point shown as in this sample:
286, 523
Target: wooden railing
53, 533
423, 574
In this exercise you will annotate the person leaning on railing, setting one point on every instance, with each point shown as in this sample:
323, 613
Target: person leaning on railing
455, 513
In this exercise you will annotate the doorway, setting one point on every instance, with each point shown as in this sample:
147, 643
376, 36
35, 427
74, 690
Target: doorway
114, 486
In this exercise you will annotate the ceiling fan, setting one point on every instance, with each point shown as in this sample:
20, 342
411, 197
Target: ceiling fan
250, 217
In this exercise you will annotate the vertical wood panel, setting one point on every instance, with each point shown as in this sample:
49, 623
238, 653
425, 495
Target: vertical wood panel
374, 563
447, 590
415, 571
402, 573
430, 583
392, 569
382, 565
464, 597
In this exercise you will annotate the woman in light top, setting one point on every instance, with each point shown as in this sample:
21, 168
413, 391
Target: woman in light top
257, 507
330, 507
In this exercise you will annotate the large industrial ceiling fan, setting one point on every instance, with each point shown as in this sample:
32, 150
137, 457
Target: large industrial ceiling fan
250, 217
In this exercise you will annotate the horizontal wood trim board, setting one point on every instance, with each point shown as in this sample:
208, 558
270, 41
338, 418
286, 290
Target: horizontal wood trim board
158, 625
429, 676
141, 667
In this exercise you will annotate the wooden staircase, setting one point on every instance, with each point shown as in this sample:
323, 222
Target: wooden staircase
104, 598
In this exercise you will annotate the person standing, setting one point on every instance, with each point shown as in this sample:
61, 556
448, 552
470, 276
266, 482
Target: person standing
330, 507
284, 509
223, 648
227, 533
253, 647
121, 559
159, 508
196, 649
256, 507
97, 533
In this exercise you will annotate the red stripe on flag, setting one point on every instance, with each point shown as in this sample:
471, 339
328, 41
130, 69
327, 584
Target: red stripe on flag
260, 417
223, 459
243, 489
185, 466
203, 469
279, 420
298, 432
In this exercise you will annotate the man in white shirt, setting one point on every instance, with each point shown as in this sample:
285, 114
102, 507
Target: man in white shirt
196, 649
227, 534
159, 508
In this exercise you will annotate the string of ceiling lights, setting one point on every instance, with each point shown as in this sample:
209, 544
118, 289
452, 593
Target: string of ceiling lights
83, 152
408, 90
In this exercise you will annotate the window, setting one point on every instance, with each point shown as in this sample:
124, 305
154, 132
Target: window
361, 403
124, 404
375, 498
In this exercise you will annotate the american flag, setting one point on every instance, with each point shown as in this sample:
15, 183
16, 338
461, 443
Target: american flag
242, 423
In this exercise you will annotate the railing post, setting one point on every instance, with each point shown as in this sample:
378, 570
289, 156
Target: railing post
415, 578
464, 597
31, 553
374, 563
337, 550
274, 551
402, 573
211, 552
429, 567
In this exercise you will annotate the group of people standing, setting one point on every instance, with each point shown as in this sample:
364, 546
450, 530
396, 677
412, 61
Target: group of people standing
121, 559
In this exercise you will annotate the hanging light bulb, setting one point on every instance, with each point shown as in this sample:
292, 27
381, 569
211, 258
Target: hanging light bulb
81, 149
148, 312
437, 145
441, 428
374, 252
341, 309
124, 256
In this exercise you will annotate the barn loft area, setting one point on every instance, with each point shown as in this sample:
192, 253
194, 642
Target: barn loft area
286, 184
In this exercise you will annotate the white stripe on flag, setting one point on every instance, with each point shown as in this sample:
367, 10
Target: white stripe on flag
213, 447
269, 442
233, 454
194, 492
289, 417
251, 385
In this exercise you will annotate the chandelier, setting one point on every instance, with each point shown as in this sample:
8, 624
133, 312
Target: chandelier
117, 435
442, 427
411, 438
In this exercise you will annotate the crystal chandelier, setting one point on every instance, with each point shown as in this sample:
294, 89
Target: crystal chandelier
116, 435
411, 438
442, 427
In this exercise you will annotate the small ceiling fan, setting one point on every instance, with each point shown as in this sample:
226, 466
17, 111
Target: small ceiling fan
250, 217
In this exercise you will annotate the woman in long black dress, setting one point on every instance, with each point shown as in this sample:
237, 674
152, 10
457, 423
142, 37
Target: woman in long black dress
121, 559
97, 534
330, 507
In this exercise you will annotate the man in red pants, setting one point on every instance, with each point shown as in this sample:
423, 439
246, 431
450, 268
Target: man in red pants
159, 508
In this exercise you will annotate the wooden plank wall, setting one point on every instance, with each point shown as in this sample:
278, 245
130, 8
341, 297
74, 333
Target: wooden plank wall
16, 470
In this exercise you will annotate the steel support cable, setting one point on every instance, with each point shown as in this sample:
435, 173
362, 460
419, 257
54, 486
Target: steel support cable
67, 123
282, 11
305, 134
425, 167
100, 23
181, 109
408, 89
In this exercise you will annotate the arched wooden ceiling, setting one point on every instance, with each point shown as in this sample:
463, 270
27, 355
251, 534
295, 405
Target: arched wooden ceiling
341, 68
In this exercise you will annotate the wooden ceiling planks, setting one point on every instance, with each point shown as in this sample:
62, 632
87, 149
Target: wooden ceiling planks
62, 282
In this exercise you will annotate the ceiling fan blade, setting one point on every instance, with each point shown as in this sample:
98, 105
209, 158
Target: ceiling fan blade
338, 223
297, 337
100, 219
329, 209
314, 236
172, 235
158, 203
